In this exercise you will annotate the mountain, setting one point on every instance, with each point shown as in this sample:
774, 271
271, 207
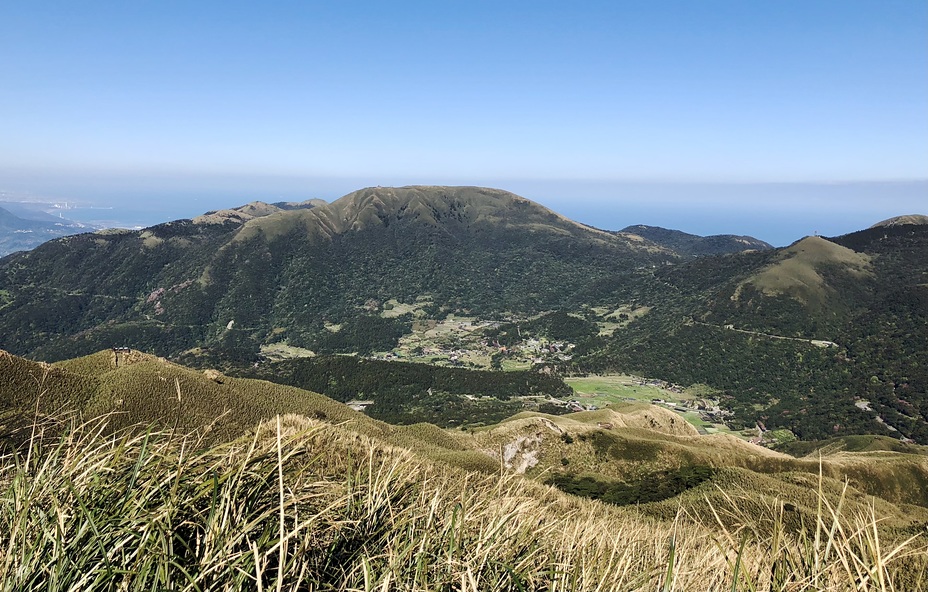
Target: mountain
236, 279
255, 209
691, 245
21, 234
29, 211
825, 337
283, 487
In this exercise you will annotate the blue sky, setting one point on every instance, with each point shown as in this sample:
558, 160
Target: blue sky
708, 116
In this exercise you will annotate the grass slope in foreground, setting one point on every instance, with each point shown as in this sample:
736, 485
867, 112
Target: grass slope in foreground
326, 498
302, 505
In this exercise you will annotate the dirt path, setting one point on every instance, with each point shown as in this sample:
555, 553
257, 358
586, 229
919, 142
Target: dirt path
815, 342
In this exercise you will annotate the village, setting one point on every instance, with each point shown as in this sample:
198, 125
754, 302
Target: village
460, 341
457, 341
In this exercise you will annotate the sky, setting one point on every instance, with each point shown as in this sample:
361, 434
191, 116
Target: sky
771, 118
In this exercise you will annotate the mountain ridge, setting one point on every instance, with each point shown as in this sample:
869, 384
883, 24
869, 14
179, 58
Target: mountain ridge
694, 245
464, 248
465, 206
902, 220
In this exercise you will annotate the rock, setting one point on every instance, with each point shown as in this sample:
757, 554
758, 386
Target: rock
214, 375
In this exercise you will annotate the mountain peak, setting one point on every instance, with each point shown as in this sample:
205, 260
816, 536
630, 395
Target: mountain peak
434, 209
902, 220
797, 270
252, 210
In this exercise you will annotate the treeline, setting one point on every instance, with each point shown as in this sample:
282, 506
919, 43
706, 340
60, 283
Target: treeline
363, 334
407, 392
347, 377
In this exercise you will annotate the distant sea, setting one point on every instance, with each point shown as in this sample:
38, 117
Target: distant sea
778, 213
119, 217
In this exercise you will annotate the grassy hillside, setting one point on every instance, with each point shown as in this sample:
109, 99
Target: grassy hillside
625, 441
327, 498
798, 270
640, 446
150, 391
903, 221
299, 504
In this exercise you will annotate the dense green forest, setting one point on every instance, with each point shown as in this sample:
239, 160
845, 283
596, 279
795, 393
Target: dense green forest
876, 327
409, 393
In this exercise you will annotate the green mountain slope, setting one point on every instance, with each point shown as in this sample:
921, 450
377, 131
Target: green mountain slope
235, 281
691, 245
825, 337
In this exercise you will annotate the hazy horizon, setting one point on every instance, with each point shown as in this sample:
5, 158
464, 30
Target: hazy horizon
779, 213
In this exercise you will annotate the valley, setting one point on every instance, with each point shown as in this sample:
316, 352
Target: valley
23, 228
791, 339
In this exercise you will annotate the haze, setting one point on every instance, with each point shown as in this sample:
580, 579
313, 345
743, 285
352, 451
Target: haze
771, 119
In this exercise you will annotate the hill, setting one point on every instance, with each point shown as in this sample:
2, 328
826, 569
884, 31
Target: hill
825, 337
797, 271
692, 245
141, 388
21, 234
902, 220
131, 388
235, 280
255, 209
342, 501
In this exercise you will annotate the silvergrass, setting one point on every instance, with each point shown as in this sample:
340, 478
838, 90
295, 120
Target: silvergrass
303, 505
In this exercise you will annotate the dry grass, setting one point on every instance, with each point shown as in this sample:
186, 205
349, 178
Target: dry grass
301, 505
